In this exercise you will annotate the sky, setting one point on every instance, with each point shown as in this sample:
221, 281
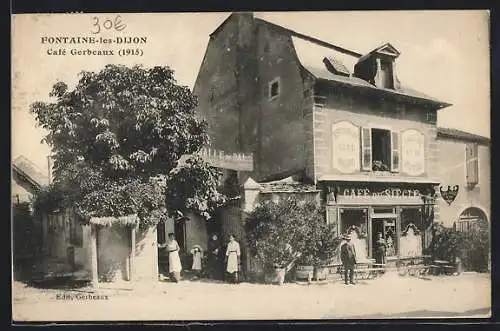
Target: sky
444, 54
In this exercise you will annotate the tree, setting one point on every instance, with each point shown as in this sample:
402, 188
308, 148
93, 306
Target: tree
289, 230
117, 138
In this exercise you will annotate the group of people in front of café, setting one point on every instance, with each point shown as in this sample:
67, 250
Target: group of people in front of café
231, 258
217, 259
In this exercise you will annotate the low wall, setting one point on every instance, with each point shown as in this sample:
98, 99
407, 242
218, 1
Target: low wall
113, 247
145, 263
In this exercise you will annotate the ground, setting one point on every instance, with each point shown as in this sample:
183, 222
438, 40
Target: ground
466, 295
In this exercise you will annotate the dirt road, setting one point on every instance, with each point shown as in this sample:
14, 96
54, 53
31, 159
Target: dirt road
388, 296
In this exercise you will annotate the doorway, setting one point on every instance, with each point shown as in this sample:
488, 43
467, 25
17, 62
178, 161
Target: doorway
387, 227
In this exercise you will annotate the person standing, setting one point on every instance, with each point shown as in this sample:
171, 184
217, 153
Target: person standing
233, 254
348, 257
380, 249
174, 261
214, 262
197, 253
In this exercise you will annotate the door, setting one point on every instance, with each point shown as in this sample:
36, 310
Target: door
390, 236
386, 226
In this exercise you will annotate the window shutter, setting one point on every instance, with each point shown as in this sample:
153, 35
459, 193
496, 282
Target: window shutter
395, 151
472, 163
366, 149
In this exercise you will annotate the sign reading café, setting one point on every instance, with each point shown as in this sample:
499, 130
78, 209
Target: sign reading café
346, 149
392, 193
413, 154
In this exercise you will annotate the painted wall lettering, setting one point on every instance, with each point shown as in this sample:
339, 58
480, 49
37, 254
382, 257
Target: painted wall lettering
346, 149
413, 152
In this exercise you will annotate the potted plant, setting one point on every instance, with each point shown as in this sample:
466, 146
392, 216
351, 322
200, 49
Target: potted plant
326, 247
276, 233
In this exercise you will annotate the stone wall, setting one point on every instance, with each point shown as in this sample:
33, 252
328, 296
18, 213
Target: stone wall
364, 112
113, 248
452, 171
145, 263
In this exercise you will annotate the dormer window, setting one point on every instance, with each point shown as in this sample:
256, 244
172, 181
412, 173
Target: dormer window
386, 74
377, 67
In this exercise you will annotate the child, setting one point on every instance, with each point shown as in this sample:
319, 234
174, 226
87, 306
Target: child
197, 253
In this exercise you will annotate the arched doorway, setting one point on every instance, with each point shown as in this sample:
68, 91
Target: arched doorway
470, 218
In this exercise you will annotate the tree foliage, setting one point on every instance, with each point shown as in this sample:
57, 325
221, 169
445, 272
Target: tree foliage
471, 247
117, 138
289, 230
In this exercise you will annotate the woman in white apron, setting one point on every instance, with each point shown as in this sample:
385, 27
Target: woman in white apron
233, 256
174, 262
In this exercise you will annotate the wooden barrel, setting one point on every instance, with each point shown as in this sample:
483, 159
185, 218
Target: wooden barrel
304, 271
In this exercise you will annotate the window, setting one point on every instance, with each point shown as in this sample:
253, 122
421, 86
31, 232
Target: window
472, 164
274, 89
466, 225
470, 219
431, 117
387, 79
354, 223
380, 150
75, 230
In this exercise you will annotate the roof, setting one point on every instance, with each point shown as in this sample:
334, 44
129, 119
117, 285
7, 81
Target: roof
336, 65
287, 185
30, 171
458, 134
312, 51
311, 55
386, 49
309, 38
351, 81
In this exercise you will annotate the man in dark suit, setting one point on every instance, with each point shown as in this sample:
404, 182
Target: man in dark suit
348, 257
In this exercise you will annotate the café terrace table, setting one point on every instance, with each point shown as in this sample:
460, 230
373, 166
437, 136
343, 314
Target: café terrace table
441, 266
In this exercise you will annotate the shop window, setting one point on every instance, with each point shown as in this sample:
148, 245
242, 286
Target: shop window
353, 222
472, 164
380, 150
411, 239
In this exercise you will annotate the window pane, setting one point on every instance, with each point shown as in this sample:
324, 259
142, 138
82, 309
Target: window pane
411, 239
353, 221
395, 160
367, 158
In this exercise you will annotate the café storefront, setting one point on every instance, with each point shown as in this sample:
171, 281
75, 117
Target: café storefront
401, 212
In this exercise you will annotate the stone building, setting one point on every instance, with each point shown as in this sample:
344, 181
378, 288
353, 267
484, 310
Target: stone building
330, 117
465, 176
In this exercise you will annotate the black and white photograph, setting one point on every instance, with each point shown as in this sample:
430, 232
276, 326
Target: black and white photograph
221, 166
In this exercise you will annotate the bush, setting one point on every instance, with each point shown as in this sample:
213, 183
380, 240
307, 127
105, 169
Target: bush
471, 247
287, 231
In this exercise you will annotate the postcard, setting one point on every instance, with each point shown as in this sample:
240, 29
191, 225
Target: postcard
250, 166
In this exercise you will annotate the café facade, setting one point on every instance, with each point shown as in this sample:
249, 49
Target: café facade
330, 117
